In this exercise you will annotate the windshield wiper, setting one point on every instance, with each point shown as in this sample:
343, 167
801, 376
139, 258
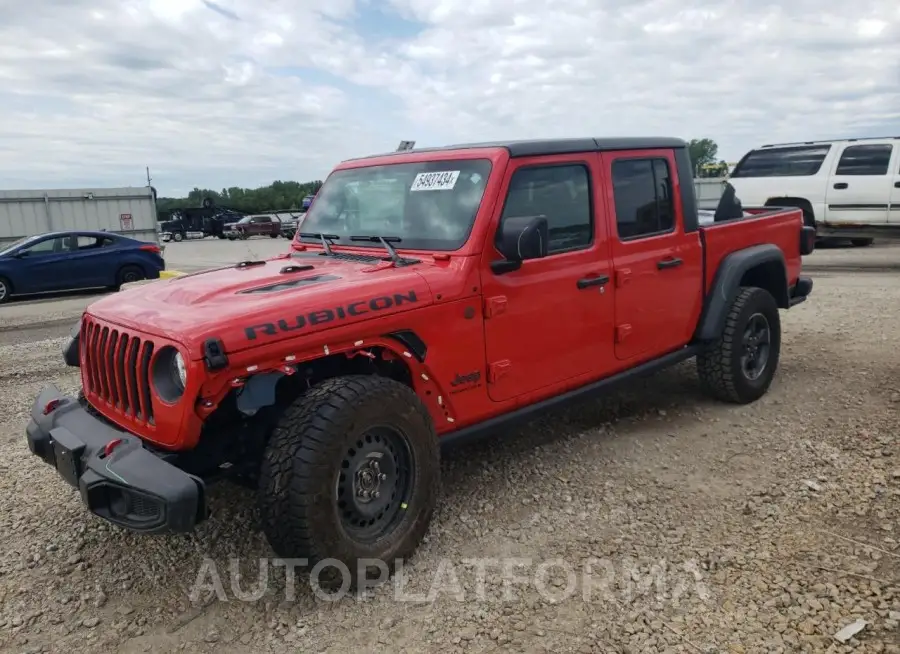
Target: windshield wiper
386, 242
322, 237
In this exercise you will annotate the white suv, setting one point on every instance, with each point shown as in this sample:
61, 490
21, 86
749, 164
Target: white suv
847, 189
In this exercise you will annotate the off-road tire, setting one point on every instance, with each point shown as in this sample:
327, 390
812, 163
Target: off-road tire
302, 464
719, 365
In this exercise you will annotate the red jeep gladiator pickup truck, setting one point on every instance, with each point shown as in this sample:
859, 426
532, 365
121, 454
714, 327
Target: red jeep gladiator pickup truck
432, 295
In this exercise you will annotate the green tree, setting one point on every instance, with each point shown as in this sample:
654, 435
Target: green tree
703, 152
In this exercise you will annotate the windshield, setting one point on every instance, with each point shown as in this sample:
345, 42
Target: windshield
12, 246
428, 205
244, 221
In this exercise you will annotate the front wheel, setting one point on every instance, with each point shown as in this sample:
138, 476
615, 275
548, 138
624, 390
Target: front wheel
740, 365
178, 236
5, 290
350, 473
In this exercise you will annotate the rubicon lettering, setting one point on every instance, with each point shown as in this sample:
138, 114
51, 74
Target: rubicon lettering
324, 316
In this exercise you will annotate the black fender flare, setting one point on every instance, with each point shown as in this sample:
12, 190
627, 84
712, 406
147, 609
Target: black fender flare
728, 280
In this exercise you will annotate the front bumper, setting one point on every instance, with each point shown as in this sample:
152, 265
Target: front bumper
119, 480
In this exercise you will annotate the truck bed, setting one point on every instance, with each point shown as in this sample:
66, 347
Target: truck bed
779, 227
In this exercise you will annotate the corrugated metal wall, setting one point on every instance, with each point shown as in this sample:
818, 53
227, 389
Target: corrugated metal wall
23, 213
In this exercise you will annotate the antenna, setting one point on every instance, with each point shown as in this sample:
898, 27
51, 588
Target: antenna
148, 176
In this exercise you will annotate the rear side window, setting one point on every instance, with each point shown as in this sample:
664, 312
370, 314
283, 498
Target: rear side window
871, 159
782, 162
643, 195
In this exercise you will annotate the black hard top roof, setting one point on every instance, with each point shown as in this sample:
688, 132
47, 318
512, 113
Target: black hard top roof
538, 147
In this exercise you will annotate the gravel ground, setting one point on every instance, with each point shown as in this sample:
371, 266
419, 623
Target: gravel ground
710, 528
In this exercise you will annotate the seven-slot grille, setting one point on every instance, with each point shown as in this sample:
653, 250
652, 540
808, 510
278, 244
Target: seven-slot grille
117, 369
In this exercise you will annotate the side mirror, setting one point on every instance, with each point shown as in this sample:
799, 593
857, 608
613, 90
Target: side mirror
21, 254
521, 238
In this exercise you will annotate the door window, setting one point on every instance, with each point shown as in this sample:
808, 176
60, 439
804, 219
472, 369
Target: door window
562, 194
48, 246
642, 189
872, 159
89, 243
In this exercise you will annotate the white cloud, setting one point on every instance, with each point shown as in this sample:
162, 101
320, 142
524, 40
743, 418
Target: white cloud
231, 92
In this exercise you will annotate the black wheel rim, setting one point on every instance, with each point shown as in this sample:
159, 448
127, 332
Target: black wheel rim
131, 276
374, 484
2, 291
757, 344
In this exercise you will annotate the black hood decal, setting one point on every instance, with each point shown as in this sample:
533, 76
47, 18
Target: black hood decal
294, 283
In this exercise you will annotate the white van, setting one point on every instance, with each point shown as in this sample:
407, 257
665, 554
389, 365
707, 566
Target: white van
847, 189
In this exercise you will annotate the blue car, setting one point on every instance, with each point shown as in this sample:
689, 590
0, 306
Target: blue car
75, 260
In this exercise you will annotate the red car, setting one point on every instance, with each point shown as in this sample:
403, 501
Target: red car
263, 225
431, 296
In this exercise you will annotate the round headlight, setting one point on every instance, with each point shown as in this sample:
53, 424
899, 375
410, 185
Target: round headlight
169, 374
180, 369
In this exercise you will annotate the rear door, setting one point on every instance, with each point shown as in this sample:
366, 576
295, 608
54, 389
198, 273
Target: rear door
94, 260
262, 225
543, 323
657, 266
859, 189
894, 204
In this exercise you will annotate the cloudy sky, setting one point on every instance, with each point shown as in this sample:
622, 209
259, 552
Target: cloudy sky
217, 93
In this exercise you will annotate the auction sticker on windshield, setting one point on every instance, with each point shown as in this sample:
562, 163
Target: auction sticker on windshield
436, 181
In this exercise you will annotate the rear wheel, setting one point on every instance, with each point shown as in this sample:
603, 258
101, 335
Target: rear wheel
351, 472
861, 242
274, 235
129, 274
740, 365
5, 290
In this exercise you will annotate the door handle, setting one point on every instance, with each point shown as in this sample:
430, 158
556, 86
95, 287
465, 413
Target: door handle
841, 185
896, 184
668, 263
587, 282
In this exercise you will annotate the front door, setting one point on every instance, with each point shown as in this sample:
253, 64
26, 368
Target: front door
44, 267
552, 319
860, 188
658, 268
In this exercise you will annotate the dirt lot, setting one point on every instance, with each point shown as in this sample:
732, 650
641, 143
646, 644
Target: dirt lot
710, 528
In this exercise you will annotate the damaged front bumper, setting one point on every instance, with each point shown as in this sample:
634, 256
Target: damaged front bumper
118, 478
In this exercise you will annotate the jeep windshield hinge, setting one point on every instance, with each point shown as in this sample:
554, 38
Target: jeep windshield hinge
214, 354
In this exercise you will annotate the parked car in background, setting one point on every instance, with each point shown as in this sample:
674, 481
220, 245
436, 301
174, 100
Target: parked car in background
258, 225
75, 260
846, 189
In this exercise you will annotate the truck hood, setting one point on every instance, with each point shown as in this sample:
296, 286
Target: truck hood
246, 306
